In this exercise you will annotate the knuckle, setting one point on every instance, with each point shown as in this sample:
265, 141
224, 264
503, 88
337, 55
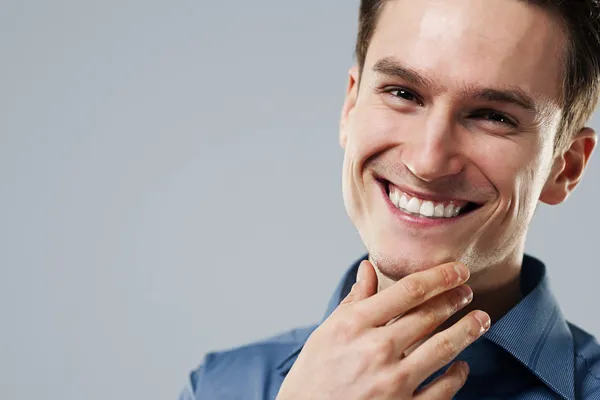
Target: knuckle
428, 317
363, 363
395, 382
446, 347
383, 349
358, 314
346, 328
448, 388
401, 378
414, 289
448, 276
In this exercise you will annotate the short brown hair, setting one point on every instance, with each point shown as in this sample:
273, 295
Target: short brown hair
581, 83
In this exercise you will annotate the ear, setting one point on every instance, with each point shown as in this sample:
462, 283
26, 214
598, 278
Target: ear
568, 168
349, 103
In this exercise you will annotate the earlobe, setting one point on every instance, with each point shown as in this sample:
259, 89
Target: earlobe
569, 167
349, 103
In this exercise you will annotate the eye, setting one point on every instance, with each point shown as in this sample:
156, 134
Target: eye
495, 117
403, 94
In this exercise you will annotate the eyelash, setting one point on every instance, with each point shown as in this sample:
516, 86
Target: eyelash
502, 118
506, 120
397, 89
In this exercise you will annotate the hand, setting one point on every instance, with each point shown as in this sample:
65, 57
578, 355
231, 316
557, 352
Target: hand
358, 352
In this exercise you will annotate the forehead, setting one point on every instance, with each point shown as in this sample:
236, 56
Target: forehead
474, 43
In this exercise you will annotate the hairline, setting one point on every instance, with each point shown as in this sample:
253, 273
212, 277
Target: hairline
561, 135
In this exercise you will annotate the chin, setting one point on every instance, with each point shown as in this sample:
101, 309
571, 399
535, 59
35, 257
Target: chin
399, 261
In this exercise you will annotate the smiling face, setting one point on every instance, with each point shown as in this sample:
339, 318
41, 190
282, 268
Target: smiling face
458, 108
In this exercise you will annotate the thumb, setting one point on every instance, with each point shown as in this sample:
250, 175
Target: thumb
366, 283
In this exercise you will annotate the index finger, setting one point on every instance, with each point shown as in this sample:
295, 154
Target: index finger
411, 291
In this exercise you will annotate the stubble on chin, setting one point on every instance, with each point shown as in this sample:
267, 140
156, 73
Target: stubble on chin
392, 269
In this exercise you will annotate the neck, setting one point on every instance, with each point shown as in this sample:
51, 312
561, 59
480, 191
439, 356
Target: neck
496, 290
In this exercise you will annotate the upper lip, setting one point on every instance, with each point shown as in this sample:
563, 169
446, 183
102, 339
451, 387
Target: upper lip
428, 196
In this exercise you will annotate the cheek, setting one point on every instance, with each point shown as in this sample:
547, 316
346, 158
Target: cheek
517, 170
371, 131
375, 128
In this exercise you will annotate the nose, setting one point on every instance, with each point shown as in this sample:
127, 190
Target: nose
433, 153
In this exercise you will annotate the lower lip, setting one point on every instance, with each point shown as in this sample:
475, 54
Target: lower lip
416, 219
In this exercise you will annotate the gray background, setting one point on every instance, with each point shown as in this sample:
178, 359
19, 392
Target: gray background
170, 184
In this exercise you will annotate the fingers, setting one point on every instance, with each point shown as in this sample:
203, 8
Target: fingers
366, 279
447, 385
444, 346
424, 319
366, 283
411, 291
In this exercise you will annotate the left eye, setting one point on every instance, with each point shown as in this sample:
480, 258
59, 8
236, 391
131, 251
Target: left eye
495, 117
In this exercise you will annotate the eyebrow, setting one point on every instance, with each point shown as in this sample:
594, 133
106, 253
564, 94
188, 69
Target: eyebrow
392, 67
510, 96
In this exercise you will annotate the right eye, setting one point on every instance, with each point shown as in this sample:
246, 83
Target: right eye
403, 94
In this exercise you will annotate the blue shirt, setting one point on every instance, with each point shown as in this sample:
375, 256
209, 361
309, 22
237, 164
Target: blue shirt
531, 353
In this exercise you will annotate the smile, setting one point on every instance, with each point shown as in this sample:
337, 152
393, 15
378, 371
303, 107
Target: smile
427, 208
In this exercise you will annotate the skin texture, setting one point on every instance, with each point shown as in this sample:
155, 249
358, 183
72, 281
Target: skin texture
428, 112
438, 139
358, 354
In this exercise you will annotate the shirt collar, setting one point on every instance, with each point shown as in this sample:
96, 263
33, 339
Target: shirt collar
535, 331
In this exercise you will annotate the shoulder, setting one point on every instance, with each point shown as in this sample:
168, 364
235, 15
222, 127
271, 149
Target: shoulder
587, 363
247, 368
266, 353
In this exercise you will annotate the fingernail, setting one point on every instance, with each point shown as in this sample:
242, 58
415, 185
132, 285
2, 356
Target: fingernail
483, 319
361, 272
461, 270
465, 367
467, 293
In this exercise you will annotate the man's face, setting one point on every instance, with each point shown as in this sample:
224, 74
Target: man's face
449, 139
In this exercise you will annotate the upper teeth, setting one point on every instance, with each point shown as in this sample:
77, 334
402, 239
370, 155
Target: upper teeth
424, 208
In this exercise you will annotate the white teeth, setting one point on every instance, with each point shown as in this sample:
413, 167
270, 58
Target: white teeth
438, 211
427, 209
403, 202
395, 197
414, 206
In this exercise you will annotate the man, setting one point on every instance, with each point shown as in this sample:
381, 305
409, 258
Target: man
460, 116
